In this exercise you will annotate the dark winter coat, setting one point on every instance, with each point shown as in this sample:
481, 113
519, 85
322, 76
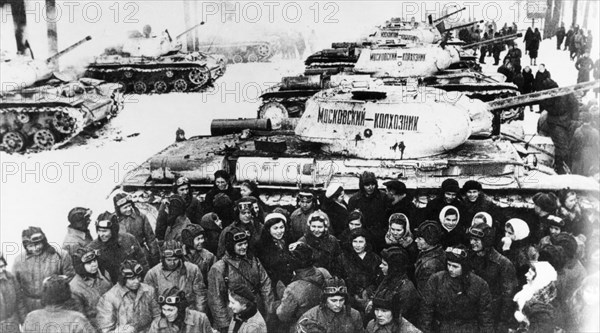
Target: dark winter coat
538, 82
174, 230
456, 304
120, 307
12, 307
326, 252
275, 259
584, 145
534, 45
120, 247
373, 209
298, 225
346, 321
30, 272
517, 254
57, 318
360, 274
87, 291
394, 327
193, 212
138, 225
212, 232
435, 206
399, 287
204, 260
560, 34
528, 80
584, 65
456, 236
254, 228
338, 215
187, 278
232, 193
302, 294
428, 263
194, 322
482, 204
403, 206
540, 312
235, 270
499, 273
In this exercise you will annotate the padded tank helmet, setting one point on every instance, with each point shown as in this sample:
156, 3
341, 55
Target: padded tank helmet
129, 269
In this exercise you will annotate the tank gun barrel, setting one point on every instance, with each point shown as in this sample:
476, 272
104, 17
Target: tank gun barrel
189, 30
494, 41
466, 25
536, 97
448, 15
67, 50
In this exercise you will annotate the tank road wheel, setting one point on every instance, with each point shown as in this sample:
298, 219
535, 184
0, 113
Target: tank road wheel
23, 118
63, 122
139, 87
160, 87
199, 76
263, 51
13, 141
251, 57
180, 85
44, 139
237, 58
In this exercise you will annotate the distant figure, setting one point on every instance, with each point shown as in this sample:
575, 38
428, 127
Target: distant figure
534, 46
588, 41
527, 39
597, 75
584, 65
584, 146
560, 35
147, 31
527, 81
541, 75
497, 49
180, 135
579, 45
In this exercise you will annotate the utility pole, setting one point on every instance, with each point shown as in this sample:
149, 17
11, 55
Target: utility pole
52, 31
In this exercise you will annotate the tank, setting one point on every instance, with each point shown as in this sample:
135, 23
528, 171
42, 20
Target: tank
241, 51
414, 135
157, 65
448, 67
41, 109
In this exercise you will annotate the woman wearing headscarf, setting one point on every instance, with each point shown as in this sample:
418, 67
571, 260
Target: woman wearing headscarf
273, 250
361, 266
515, 246
399, 234
535, 312
327, 250
453, 229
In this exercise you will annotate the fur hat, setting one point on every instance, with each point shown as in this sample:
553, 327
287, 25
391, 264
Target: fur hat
567, 242
555, 221
450, 185
55, 290
366, 178
78, 215
431, 231
553, 254
190, 232
397, 259
334, 190
242, 291
520, 228
222, 174
548, 202
484, 232
230, 240
302, 256
355, 215
177, 205
396, 185
222, 200
129, 267
472, 185
387, 301
208, 218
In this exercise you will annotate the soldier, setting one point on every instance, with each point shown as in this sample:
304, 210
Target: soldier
400, 202
455, 299
178, 219
246, 221
448, 195
431, 255
334, 313
134, 222
193, 238
193, 209
12, 308
38, 261
237, 266
246, 318
496, 270
307, 203
54, 316
78, 235
130, 305
336, 208
173, 271
89, 283
388, 317
371, 203
176, 316
222, 185
115, 246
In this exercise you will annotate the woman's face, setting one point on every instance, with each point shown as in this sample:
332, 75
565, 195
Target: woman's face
245, 216
277, 230
397, 230
571, 201
91, 267
170, 312
510, 233
354, 224
245, 191
530, 275
359, 244
235, 306
384, 267
221, 184
317, 228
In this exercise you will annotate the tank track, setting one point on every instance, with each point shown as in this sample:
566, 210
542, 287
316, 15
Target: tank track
155, 79
36, 128
241, 53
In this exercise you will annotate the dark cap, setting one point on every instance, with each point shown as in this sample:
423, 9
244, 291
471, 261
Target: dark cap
78, 215
396, 185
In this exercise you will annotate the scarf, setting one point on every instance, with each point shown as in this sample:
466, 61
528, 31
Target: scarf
243, 317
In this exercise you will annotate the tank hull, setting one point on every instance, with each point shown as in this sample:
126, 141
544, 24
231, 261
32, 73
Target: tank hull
259, 51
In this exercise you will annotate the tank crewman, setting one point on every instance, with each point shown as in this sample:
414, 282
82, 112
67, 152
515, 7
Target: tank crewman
246, 317
38, 261
115, 247
134, 222
193, 238
455, 299
372, 204
334, 313
12, 308
183, 188
431, 257
55, 316
176, 316
130, 305
78, 235
89, 283
246, 220
174, 271
237, 266
336, 208
448, 195
307, 203
177, 218
497, 271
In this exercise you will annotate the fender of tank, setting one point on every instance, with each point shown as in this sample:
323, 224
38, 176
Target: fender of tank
175, 71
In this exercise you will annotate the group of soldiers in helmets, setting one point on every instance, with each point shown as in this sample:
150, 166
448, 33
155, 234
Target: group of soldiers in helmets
385, 261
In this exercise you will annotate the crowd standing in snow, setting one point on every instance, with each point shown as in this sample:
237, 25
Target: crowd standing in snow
386, 261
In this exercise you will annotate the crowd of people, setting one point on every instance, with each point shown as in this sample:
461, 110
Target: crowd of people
388, 260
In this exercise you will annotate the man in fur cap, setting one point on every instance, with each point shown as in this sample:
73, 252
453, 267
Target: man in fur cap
431, 257
372, 204
38, 261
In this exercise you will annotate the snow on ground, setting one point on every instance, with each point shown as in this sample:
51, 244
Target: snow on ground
40, 189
